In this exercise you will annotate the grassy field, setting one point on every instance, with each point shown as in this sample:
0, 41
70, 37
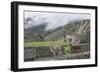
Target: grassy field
57, 43
46, 43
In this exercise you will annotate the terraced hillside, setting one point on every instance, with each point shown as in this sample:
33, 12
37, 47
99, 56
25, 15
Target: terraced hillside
38, 37
75, 28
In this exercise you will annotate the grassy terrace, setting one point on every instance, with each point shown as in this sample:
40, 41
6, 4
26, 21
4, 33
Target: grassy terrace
49, 43
45, 43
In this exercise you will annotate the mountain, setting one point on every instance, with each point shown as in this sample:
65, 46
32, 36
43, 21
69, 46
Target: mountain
78, 28
32, 34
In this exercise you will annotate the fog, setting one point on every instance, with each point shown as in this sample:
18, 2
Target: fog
52, 20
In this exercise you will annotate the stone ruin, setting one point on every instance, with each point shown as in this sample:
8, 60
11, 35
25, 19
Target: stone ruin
31, 53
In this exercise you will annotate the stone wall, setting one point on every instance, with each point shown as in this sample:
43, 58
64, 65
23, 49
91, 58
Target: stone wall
80, 48
31, 53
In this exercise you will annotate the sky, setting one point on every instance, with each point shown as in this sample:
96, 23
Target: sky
52, 20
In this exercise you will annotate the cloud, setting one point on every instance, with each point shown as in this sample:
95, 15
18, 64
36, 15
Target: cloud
52, 20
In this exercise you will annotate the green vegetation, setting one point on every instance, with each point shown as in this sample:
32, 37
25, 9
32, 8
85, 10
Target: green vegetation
57, 43
45, 43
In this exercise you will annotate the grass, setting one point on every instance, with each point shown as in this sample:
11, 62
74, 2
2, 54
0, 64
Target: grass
57, 43
45, 43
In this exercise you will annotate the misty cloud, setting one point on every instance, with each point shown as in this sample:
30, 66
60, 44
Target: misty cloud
52, 20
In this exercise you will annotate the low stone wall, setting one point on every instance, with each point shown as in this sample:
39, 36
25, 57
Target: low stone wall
80, 48
31, 53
